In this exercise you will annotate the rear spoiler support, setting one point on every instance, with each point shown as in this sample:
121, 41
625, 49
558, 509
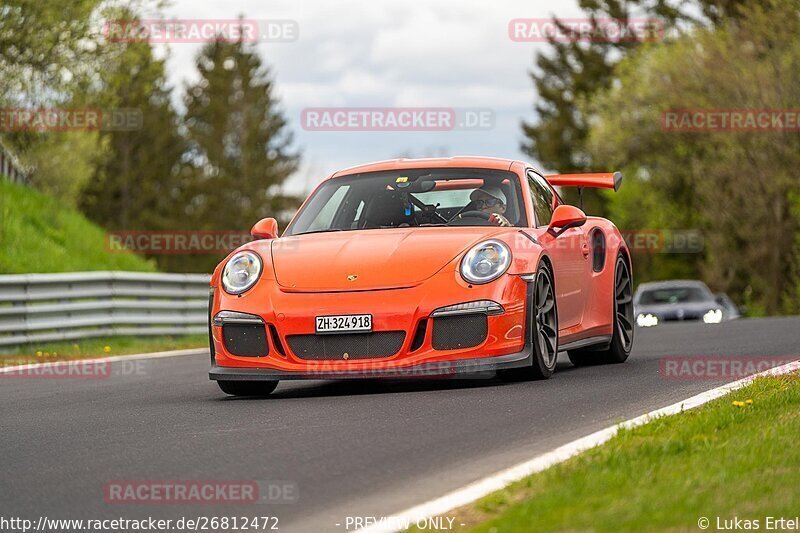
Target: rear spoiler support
603, 180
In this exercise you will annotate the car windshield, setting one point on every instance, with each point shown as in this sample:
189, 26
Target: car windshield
673, 295
412, 197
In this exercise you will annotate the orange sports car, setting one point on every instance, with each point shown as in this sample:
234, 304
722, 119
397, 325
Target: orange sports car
424, 267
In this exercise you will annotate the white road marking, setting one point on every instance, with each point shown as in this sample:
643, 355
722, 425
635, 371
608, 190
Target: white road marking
113, 359
502, 479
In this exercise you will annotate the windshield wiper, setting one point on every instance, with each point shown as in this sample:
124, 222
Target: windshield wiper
319, 231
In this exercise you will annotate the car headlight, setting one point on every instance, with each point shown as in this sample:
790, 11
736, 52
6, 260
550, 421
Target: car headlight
713, 316
241, 272
646, 320
485, 262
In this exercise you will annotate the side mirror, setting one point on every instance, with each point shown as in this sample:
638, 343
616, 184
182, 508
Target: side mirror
565, 217
266, 228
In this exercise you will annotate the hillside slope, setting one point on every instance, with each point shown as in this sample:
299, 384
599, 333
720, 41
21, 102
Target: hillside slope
39, 235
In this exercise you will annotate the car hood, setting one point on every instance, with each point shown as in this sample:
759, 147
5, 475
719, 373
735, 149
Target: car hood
369, 259
668, 310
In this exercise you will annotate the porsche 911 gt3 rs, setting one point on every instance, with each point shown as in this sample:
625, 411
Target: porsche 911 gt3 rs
424, 267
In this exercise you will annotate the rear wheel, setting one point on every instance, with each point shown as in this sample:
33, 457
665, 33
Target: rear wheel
622, 338
247, 388
544, 329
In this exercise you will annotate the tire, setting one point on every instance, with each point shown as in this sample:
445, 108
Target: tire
622, 339
247, 388
544, 330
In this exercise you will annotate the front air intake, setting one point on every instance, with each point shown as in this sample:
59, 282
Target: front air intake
344, 346
245, 340
456, 332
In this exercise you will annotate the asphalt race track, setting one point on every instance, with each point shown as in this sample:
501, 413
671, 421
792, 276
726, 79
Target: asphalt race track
349, 448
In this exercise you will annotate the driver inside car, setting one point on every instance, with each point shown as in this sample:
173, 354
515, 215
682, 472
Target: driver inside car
491, 200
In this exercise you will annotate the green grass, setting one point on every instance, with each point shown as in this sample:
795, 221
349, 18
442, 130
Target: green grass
85, 348
37, 234
719, 460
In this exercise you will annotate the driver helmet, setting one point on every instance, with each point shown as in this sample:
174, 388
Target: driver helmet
492, 190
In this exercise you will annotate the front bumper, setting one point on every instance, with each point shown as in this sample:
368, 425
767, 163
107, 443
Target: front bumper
289, 315
433, 369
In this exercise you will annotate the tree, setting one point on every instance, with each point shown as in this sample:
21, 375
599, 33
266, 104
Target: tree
240, 144
573, 72
739, 187
134, 184
63, 162
45, 48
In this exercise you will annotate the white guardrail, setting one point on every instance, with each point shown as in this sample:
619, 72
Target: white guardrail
56, 307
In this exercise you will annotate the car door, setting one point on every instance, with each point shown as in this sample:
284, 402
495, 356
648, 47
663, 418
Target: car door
569, 252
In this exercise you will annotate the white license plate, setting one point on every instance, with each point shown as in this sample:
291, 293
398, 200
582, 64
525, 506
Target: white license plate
344, 323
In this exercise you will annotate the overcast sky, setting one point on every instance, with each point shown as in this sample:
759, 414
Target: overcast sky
384, 53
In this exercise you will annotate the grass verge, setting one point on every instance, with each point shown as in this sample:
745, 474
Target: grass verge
734, 457
38, 234
88, 348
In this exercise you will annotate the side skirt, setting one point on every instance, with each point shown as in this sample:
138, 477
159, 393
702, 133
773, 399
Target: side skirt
601, 342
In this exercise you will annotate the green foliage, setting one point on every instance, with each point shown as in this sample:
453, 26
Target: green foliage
600, 107
792, 302
47, 51
639, 210
133, 185
63, 162
240, 144
573, 72
221, 168
39, 234
46, 48
734, 185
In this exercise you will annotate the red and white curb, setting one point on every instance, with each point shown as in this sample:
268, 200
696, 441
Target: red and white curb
502, 479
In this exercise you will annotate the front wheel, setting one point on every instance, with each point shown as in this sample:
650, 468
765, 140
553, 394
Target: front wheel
543, 331
622, 339
247, 388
